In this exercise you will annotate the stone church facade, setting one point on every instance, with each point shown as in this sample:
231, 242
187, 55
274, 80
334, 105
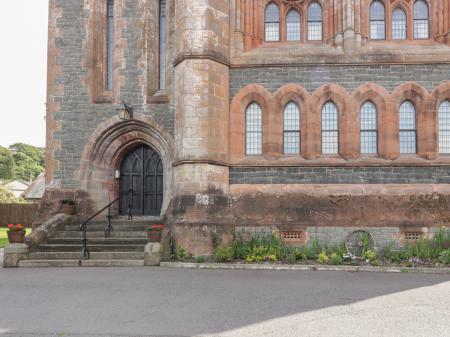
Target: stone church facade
309, 117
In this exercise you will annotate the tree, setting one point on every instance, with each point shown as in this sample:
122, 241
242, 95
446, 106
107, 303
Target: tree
6, 197
29, 160
6, 164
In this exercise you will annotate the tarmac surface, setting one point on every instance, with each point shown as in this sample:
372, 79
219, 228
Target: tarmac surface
161, 302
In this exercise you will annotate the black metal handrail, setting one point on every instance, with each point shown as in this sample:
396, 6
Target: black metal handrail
85, 254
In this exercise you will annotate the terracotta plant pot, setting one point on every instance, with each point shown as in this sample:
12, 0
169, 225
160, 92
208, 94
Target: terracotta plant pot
154, 235
16, 236
68, 209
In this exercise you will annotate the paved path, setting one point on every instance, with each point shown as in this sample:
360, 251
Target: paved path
180, 302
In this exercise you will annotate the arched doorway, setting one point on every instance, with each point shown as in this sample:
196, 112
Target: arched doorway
142, 171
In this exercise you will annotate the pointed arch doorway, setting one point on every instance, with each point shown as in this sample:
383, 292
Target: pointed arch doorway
142, 171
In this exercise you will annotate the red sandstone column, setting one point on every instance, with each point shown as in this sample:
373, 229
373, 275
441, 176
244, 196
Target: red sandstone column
200, 206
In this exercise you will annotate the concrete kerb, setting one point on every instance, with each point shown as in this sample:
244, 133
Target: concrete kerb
354, 269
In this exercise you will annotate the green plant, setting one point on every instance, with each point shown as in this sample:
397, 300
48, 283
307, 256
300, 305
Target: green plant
365, 239
299, 255
182, 254
335, 259
323, 258
224, 253
291, 258
316, 249
200, 259
444, 257
260, 248
370, 255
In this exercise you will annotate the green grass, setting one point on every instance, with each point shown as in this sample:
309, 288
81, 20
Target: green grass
4, 236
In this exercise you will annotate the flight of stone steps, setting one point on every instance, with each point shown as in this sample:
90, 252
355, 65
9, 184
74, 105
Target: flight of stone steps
125, 246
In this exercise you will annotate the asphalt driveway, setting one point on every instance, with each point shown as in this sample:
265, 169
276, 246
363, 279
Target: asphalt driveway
180, 302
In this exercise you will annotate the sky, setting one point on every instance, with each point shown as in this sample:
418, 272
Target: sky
23, 71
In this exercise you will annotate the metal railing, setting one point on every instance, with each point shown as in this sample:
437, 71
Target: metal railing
85, 254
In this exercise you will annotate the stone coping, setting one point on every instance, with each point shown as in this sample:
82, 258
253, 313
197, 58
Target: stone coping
244, 266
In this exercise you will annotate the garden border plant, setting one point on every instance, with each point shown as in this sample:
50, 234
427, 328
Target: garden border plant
270, 248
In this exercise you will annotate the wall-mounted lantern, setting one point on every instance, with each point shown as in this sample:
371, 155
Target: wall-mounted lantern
125, 111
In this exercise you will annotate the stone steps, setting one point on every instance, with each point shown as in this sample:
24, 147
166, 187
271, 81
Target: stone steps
78, 263
101, 227
99, 241
94, 255
101, 234
91, 247
125, 246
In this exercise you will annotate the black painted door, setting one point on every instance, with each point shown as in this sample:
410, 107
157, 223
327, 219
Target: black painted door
142, 171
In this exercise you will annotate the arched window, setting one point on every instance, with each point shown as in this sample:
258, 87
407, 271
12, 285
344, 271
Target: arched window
407, 128
162, 44
369, 133
399, 24
377, 21
293, 26
110, 45
444, 128
253, 129
314, 22
330, 129
291, 129
272, 23
421, 20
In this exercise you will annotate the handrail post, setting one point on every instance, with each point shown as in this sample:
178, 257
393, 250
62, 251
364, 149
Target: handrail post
85, 254
109, 227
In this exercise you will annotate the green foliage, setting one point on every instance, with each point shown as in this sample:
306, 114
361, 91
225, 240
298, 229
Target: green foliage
365, 239
6, 197
6, 164
335, 259
200, 259
424, 249
370, 255
300, 255
29, 160
224, 253
260, 248
444, 256
182, 254
323, 258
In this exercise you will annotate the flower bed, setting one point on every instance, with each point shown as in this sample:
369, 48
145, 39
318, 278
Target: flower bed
424, 253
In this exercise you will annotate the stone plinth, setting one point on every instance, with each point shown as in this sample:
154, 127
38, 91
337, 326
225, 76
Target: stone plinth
15, 253
153, 253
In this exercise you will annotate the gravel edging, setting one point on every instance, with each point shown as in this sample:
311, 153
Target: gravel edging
354, 269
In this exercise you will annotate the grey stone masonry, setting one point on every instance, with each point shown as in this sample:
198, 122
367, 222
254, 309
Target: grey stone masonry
312, 77
78, 115
340, 175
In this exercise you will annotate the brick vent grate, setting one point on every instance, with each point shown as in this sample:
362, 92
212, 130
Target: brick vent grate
293, 236
413, 236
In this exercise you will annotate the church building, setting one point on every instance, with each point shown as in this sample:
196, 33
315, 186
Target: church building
312, 118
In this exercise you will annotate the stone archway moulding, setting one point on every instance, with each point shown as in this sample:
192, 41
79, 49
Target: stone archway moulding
107, 146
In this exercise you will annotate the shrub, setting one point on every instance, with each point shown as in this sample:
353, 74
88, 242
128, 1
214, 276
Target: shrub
261, 248
322, 258
182, 254
370, 255
444, 257
224, 253
200, 259
300, 255
335, 259
291, 259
